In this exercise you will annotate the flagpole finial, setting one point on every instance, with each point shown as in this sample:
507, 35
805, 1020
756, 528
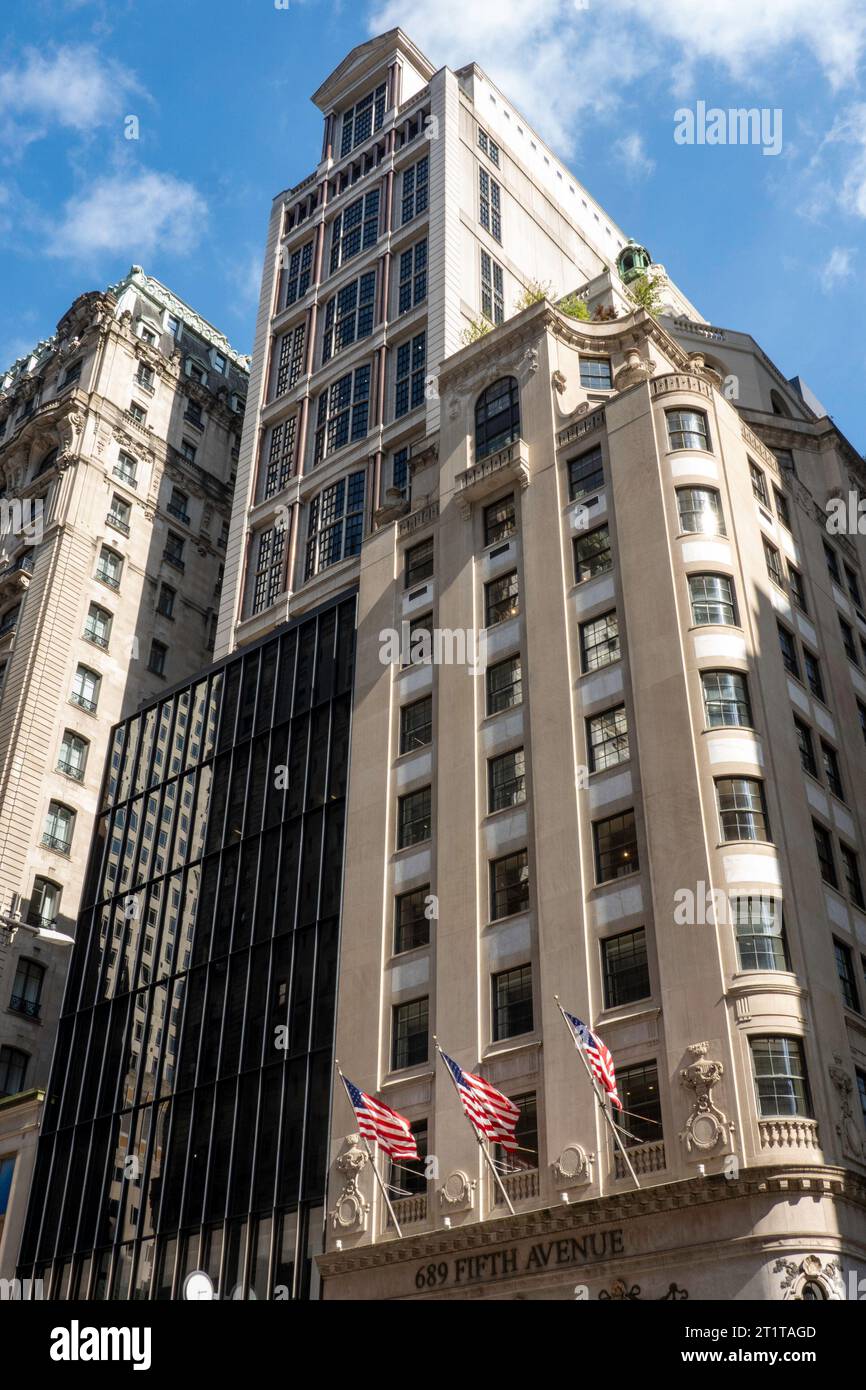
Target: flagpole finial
556, 997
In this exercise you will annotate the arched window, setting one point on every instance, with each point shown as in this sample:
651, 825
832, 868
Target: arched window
44, 902
59, 824
497, 417
47, 462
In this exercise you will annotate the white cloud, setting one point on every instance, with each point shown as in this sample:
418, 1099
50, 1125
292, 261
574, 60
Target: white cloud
850, 129
131, 213
633, 155
73, 86
837, 267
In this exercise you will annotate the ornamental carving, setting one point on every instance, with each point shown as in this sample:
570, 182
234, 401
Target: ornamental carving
847, 1128
559, 382
810, 1280
635, 369
457, 1192
573, 1166
621, 1291
707, 1126
350, 1210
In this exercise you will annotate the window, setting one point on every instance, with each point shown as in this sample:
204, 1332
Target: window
832, 564
599, 642
489, 147
759, 484
290, 357
782, 509
400, 469
126, 468
592, 554
298, 273
700, 510
85, 688
512, 1003
415, 189
595, 373
861, 1091
44, 903
742, 809
826, 860
504, 685
420, 640
501, 599
144, 376
414, 818
830, 759
814, 679
138, 412
119, 514
774, 564
416, 724
506, 780
781, 1086
280, 461
806, 747
336, 524
97, 625
798, 590
489, 205
411, 361
72, 758
362, 119
497, 417
109, 567
419, 562
156, 660
509, 885
492, 289
712, 600
177, 505
9, 619
726, 700
853, 584
848, 641
219, 362
413, 277
687, 429
343, 412
861, 714
500, 520
59, 825
525, 1135
349, 315
355, 228
585, 474
411, 1027
760, 933
193, 415
409, 1177
165, 602
615, 847
147, 335
625, 968
847, 978
268, 579
173, 552
607, 739
13, 1069
638, 1088
851, 870
73, 372
411, 923
27, 988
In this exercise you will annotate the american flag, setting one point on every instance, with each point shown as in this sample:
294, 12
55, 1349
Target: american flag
493, 1114
598, 1056
383, 1125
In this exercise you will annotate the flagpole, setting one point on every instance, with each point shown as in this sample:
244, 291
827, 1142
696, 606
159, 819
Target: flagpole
487, 1158
594, 1084
372, 1159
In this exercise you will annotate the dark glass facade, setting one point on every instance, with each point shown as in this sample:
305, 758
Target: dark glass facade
186, 1119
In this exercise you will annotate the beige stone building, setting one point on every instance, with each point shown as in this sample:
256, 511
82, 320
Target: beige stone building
119, 438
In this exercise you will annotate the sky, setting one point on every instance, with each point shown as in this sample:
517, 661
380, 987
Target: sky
767, 243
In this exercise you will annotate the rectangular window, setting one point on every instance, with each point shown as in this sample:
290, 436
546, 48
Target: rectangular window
400, 469
290, 358
779, 1069
298, 273
625, 968
501, 599
420, 651
814, 680
853, 584
411, 923
616, 851
416, 724
806, 746
174, 548
525, 1159
599, 642
415, 189
500, 520
489, 205
760, 933
59, 825
178, 504
826, 859
638, 1087
712, 600
335, 525
355, 228
861, 715
585, 474
504, 685
156, 661
607, 739
848, 642
165, 603
489, 147
411, 361
506, 780
349, 315
119, 514
342, 414
797, 587
411, 1028
759, 484
774, 564
126, 468
851, 870
687, 429
700, 510
414, 818
72, 758
595, 373
832, 564
268, 581
509, 885
742, 809
362, 119
413, 277
280, 457
492, 289
782, 510
726, 700
419, 563
847, 978
512, 1003
830, 759
592, 554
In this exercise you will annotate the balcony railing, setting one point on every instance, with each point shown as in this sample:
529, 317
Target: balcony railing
98, 639
70, 769
144, 383
410, 1210
178, 512
107, 578
82, 700
175, 560
125, 477
55, 842
644, 1158
520, 1186
24, 564
795, 1132
118, 522
8, 625
28, 1007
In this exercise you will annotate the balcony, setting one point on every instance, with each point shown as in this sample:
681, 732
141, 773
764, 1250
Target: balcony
125, 477
17, 575
410, 1210
60, 846
522, 1186
70, 769
578, 429
644, 1158
8, 626
28, 1007
795, 1132
99, 639
144, 384
178, 512
176, 561
83, 702
117, 521
105, 577
508, 465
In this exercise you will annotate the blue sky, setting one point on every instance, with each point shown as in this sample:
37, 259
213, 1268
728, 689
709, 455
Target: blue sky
769, 244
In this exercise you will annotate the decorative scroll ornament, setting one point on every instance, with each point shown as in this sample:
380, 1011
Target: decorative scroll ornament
707, 1125
559, 382
620, 1291
350, 1209
635, 369
458, 1191
810, 1280
573, 1166
846, 1128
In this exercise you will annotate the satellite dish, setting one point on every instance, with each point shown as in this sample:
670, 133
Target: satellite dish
198, 1287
